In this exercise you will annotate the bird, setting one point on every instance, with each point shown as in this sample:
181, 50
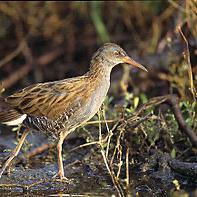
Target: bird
57, 108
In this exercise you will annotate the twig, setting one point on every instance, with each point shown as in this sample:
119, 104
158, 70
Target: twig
84, 145
39, 150
116, 185
127, 166
28, 187
111, 172
119, 155
11, 185
116, 147
100, 132
135, 123
110, 136
97, 121
187, 57
103, 141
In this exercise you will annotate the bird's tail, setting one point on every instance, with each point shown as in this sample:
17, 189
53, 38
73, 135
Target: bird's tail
9, 115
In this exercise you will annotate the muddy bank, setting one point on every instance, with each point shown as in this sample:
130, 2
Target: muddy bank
152, 176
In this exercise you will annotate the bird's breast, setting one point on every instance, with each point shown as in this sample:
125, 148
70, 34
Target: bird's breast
90, 104
97, 98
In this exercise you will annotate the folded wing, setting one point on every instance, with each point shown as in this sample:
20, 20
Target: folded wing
43, 99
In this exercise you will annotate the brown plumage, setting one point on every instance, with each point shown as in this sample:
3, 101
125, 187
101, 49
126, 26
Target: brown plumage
57, 108
48, 99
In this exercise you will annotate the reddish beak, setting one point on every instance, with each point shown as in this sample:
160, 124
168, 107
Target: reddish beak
128, 60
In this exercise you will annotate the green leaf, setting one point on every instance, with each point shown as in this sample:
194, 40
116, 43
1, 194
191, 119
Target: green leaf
173, 153
136, 102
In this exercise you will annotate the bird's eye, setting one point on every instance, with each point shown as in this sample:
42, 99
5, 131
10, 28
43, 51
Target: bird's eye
116, 53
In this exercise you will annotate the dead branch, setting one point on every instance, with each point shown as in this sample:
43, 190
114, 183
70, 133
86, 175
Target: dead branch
185, 168
173, 101
165, 164
39, 150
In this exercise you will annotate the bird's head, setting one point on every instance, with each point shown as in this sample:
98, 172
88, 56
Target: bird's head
111, 54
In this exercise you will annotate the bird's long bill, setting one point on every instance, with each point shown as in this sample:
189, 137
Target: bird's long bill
128, 60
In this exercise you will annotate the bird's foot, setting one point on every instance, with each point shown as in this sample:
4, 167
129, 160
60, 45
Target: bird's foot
62, 178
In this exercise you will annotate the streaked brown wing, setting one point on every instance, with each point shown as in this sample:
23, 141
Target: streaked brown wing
6, 112
48, 99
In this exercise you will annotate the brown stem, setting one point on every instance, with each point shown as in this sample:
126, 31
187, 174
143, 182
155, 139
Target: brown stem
173, 101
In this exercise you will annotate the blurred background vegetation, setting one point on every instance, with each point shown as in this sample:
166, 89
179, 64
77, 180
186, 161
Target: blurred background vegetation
45, 41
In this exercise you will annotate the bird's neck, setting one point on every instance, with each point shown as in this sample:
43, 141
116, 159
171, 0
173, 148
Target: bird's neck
100, 71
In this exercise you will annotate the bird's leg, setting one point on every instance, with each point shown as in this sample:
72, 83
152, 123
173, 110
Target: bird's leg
15, 151
60, 161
